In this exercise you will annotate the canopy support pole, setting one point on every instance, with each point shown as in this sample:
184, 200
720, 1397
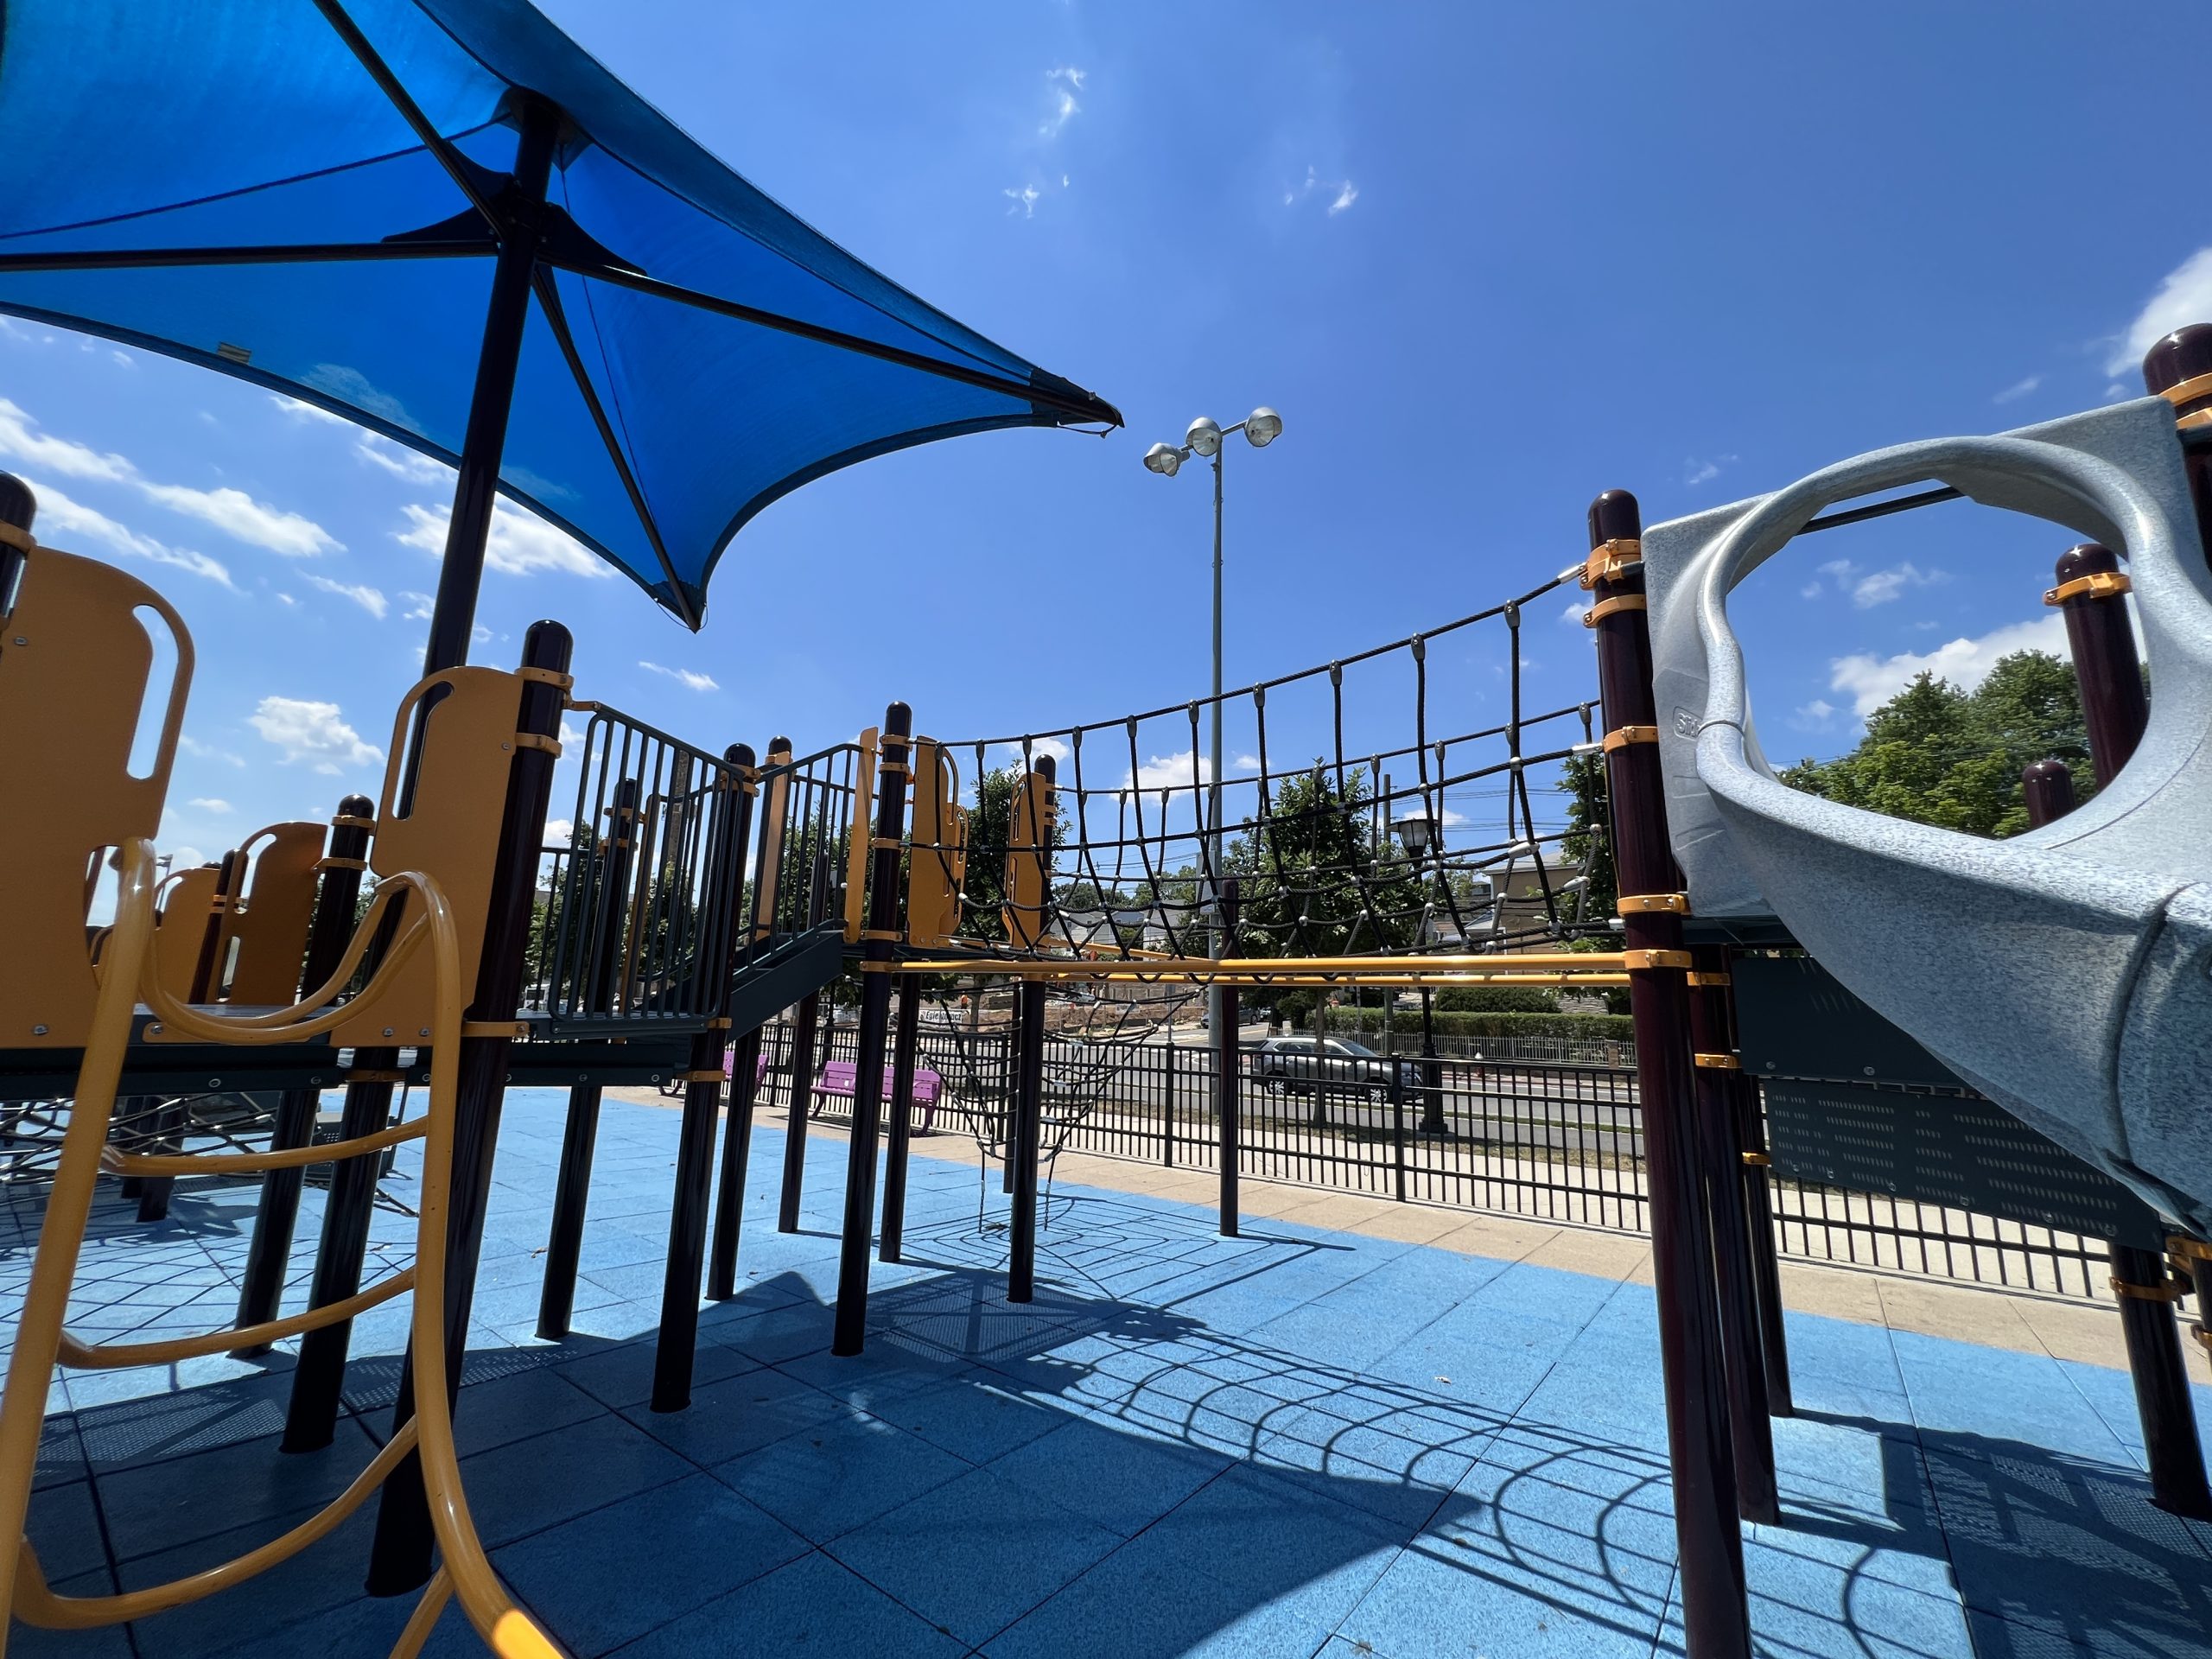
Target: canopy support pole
485, 440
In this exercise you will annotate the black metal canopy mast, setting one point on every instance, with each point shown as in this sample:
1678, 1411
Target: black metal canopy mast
510, 221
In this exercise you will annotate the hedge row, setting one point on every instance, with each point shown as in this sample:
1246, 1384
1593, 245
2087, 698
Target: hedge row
1589, 1028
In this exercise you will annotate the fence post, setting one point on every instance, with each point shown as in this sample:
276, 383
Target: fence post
612, 856
400, 1555
804, 1029
1225, 1068
891, 1245
1757, 1498
722, 902
1716, 1618
1021, 1148
2115, 709
878, 941
261, 1293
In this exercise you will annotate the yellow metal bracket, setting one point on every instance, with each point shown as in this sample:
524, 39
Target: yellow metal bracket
540, 741
2168, 1292
1611, 559
1644, 903
1710, 980
2098, 584
473, 1029
1621, 736
1636, 960
1606, 607
1719, 1062
547, 676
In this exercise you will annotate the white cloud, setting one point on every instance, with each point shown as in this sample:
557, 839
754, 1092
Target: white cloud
1873, 681
1065, 83
696, 681
1056, 746
1341, 192
310, 731
2018, 389
193, 746
1695, 472
241, 516
57, 513
1245, 762
1880, 586
559, 832
420, 607
1171, 772
1814, 715
1024, 200
305, 411
399, 460
123, 358
210, 804
19, 438
2184, 297
350, 386
369, 599
232, 512
522, 543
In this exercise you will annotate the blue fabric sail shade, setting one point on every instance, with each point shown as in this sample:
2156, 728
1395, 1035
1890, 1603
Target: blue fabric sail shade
312, 194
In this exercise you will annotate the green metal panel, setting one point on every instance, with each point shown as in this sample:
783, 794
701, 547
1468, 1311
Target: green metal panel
1794, 1019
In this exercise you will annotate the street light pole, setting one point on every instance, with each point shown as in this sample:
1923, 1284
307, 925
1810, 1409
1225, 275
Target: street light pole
1259, 428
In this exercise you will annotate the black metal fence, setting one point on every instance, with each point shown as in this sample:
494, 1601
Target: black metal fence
1550, 1142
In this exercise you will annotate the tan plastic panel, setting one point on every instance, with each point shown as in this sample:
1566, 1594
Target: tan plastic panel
938, 863
1034, 811
74, 664
180, 933
269, 930
452, 835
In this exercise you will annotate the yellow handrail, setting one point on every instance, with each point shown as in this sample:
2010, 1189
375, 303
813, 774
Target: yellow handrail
41, 1340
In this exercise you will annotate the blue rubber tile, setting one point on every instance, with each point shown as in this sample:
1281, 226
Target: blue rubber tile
1119, 1481
2058, 1545
1549, 1546
1399, 1467
814, 1607
622, 1375
873, 1380
973, 1418
2111, 1395
1961, 1393
528, 1485
975, 1555
61, 1453
157, 1506
1273, 1536
1801, 1614
144, 1429
611, 1576
1333, 1332
64, 1526
1134, 1603
738, 1415
291, 1596
776, 1334
515, 1407
824, 1481
111, 1642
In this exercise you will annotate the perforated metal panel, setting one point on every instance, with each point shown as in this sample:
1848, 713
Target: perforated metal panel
1959, 1151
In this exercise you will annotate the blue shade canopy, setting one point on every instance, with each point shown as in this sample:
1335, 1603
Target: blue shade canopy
312, 194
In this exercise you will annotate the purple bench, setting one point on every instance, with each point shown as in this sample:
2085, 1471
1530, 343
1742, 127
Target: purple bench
838, 1077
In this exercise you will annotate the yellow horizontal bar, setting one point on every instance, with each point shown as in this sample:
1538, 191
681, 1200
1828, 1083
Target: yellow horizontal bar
107, 1356
1496, 962
239, 1163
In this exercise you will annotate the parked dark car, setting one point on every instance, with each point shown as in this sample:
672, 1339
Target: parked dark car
1289, 1064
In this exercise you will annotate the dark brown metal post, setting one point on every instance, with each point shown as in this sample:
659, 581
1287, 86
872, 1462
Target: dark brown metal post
400, 1556
166, 1133
892, 1240
1766, 1269
2114, 709
804, 1027
601, 927
1712, 1039
2179, 367
737, 1147
329, 930
1715, 1614
1225, 1058
1022, 1149
879, 940
729, 829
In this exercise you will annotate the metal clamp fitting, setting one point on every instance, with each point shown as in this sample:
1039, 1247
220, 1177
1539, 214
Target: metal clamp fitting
1611, 559
1638, 961
2098, 584
1643, 904
1621, 736
540, 741
1718, 1062
2168, 1292
1606, 607
1711, 980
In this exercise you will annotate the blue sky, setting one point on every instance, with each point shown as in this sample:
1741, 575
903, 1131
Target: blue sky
1486, 261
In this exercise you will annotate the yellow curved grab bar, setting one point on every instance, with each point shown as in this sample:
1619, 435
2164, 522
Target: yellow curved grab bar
111, 1355
41, 1340
246, 1163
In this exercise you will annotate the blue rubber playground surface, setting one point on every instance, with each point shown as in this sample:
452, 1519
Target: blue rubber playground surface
1297, 1443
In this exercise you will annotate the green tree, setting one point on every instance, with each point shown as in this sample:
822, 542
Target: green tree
1311, 881
1935, 755
990, 826
1586, 842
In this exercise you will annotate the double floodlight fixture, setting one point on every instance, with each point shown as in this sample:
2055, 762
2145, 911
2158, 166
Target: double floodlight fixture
1260, 427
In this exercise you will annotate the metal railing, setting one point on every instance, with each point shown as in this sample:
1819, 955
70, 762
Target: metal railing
1552, 1142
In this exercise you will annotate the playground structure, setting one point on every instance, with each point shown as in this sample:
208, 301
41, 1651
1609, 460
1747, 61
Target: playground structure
639, 950
699, 892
